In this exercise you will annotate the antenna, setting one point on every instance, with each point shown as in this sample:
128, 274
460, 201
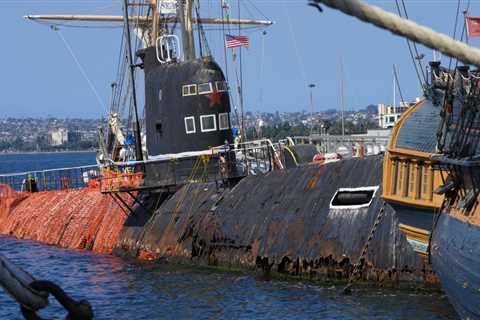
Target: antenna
311, 86
342, 95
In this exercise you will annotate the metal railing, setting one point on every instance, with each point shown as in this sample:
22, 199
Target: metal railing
219, 163
51, 179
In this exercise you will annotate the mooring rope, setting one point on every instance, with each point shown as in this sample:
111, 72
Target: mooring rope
406, 28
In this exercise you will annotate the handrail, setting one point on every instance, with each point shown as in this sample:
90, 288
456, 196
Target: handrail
259, 155
46, 170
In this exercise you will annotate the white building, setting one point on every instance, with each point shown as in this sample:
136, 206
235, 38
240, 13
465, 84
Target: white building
389, 115
58, 137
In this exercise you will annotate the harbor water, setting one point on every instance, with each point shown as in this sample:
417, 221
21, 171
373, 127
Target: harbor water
120, 288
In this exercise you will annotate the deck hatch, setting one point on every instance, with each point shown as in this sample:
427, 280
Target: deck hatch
353, 198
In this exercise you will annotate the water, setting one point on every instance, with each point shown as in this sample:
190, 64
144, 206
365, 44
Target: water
11, 163
119, 288
129, 289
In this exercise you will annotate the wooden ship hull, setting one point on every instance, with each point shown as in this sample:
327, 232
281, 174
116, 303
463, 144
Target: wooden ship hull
456, 260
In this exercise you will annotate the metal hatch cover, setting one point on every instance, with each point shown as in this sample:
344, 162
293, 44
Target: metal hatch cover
353, 198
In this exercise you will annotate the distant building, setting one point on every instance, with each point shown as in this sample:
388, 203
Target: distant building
58, 137
389, 115
74, 137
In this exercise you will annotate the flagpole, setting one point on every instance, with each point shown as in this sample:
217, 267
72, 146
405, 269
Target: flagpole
465, 25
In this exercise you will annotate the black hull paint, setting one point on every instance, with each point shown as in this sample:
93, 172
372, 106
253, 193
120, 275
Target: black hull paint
456, 260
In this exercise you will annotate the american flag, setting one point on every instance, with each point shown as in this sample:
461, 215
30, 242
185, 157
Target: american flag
236, 41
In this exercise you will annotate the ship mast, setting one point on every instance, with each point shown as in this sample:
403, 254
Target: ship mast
138, 140
155, 22
186, 22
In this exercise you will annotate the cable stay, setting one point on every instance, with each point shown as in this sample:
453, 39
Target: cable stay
397, 81
82, 70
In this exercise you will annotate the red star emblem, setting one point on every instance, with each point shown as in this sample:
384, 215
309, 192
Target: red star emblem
214, 98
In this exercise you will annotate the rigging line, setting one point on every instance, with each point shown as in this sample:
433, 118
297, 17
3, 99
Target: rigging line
415, 46
76, 26
395, 74
120, 74
463, 32
460, 133
135, 25
234, 62
225, 56
450, 85
202, 34
262, 62
223, 40
135, 13
450, 82
464, 29
454, 36
249, 11
410, 50
258, 10
200, 44
241, 76
297, 52
82, 70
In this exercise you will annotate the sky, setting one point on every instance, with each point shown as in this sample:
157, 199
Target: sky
40, 76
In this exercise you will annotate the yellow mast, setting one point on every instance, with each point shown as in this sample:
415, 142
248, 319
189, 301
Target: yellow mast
155, 29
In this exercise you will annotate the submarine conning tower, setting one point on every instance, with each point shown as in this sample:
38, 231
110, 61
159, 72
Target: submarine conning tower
187, 105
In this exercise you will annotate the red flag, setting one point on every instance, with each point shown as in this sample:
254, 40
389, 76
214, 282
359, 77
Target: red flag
473, 26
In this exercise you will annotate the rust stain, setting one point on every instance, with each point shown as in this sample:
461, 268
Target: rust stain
146, 255
312, 183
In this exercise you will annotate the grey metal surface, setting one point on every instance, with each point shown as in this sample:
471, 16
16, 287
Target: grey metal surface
418, 130
281, 222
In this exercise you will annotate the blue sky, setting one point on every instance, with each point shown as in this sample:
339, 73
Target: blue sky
39, 77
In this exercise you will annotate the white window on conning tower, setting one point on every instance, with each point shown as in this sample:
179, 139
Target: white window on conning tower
222, 86
190, 125
208, 123
205, 88
223, 123
189, 90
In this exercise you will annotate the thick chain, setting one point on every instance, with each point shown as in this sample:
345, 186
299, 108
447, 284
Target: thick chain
363, 255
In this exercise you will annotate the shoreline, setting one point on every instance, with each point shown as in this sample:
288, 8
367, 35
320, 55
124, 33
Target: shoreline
2, 153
